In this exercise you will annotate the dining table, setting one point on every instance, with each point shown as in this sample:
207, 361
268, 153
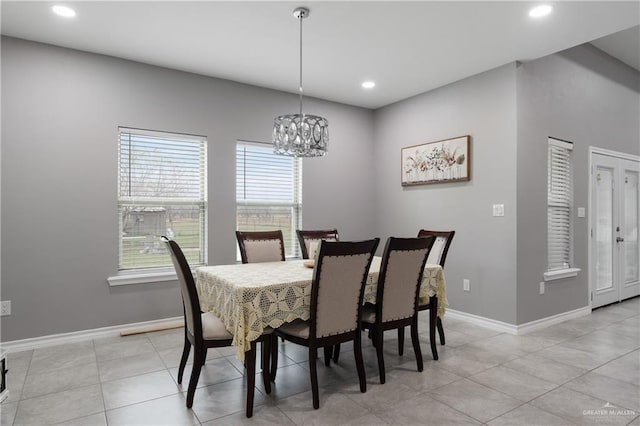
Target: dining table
248, 298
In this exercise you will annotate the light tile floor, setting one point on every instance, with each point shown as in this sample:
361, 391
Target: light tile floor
583, 371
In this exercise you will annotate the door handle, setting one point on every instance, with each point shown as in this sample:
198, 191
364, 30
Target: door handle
619, 239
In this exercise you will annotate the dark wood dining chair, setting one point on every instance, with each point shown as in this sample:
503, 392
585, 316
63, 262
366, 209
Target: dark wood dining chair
205, 330
309, 240
397, 295
257, 247
260, 246
437, 256
337, 289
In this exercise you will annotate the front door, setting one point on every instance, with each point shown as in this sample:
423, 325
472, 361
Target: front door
615, 220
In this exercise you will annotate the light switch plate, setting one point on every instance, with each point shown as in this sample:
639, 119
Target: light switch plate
581, 212
498, 210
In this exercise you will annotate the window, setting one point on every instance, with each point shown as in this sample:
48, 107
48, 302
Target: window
559, 203
268, 192
162, 190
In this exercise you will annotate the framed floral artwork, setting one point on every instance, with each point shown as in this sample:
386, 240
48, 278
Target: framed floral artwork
436, 162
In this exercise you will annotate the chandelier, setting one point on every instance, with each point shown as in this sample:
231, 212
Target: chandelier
300, 135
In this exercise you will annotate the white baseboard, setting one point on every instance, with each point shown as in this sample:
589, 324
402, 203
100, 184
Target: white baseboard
96, 333
528, 327
77, 336
489, 323
525, 328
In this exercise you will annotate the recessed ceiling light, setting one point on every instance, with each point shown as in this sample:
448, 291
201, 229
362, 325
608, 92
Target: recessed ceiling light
63, 11
540, 11
369, 84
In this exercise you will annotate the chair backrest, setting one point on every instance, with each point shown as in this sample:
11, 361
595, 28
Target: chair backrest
338, 284
400, 277
440, 248
309, 240
261, 246
190, 299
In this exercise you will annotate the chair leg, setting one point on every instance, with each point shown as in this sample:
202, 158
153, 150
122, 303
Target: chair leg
250, 363
433, 318
328, 350
266, 354
379, 339
198, 356
274, 357
313, 355
183, 360
357, 352
401, 341
440, 331
416, 343
204, 358
336, 352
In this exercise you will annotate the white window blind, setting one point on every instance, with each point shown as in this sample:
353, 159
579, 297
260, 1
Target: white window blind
268, 192
162, 190
559, 203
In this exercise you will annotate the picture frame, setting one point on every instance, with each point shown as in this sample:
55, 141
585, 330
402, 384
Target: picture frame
442, 161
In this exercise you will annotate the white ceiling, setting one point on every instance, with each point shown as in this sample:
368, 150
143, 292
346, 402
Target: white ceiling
406, 47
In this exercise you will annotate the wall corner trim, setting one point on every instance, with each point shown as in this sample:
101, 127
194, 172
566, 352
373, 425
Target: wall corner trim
521, 329
82, 335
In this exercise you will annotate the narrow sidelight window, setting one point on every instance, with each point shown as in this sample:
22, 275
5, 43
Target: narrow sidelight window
559, 205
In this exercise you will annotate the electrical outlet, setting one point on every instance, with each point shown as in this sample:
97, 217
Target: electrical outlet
5, 308
498, 210
465, 285
541, 287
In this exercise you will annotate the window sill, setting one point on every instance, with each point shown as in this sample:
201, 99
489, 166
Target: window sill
132, 277
560, 274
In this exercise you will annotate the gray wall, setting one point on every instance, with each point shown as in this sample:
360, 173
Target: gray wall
60, 113
591, 99
484, 248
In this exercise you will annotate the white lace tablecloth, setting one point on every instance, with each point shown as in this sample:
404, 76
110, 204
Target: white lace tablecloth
250, 297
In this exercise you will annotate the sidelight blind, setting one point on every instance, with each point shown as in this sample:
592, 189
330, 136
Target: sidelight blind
559, 203
162, 190
268, 192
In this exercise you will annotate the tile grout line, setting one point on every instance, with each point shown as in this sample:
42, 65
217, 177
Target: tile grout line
104, 405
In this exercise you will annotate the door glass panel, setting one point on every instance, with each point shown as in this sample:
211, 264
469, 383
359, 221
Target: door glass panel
631, 208
604, 229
